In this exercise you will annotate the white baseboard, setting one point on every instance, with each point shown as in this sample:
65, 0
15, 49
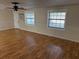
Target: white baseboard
3, 29
51, 35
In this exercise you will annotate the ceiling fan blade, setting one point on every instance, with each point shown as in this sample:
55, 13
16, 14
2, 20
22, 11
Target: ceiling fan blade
22, 8
15, 2
9, 8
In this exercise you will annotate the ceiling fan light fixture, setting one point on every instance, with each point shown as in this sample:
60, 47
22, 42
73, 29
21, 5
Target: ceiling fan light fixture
15, 8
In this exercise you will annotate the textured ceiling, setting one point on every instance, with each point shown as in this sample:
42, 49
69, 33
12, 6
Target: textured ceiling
39, 3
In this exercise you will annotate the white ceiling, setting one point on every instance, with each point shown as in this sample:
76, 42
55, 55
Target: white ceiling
41, 3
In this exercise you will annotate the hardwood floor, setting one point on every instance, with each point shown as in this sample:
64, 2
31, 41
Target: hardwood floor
18, 44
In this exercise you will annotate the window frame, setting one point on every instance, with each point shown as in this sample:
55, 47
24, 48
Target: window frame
29, 18
48, 18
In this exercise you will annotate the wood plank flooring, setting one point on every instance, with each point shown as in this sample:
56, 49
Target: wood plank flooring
19, 44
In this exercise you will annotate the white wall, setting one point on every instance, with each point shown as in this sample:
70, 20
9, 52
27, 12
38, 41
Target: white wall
6, 20
71, 31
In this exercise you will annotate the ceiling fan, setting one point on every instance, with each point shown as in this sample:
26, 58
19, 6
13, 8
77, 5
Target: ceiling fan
16, 7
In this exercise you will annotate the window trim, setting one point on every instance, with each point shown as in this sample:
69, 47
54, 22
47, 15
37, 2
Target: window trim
48, 20
25, 21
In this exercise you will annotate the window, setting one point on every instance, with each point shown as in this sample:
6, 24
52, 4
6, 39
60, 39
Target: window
56, 19
29, 18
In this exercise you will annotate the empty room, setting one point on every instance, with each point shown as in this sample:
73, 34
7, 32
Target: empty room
39, 29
